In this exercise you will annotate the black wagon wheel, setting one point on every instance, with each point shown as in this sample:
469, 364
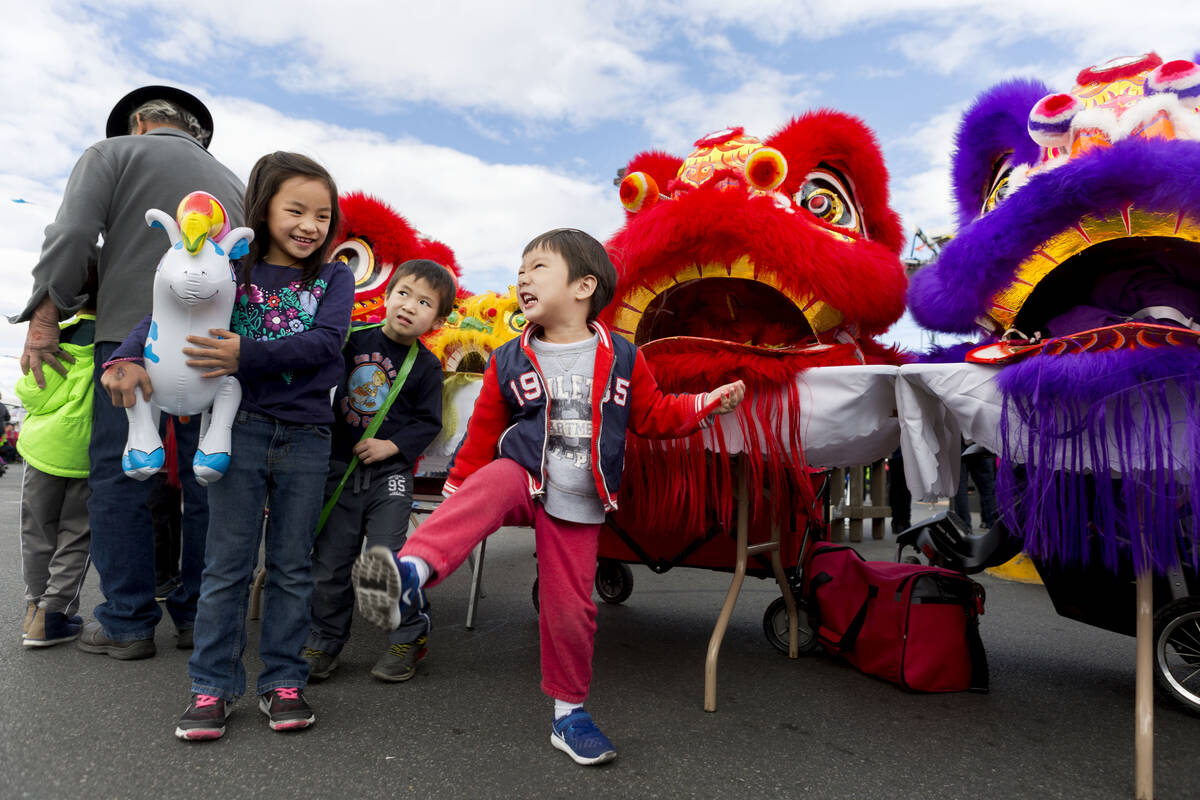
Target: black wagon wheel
614, 581
775, 627
1177, 650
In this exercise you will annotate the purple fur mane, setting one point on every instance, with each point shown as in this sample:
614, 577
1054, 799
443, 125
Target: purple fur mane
994, 125
1157, 175
1058, 484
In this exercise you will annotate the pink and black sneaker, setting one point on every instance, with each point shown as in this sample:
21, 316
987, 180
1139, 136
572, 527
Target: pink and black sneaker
286, 709
204, 719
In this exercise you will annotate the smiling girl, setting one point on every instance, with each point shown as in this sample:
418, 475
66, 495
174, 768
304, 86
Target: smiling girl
284, 345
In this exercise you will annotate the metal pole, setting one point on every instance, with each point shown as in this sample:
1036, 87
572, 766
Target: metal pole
735, 586
1143, 702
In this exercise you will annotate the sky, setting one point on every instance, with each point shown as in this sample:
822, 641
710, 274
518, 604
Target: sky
486, 123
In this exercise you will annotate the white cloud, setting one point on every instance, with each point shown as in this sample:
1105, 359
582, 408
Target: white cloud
485, 211
574, 61
761, 102
921, 194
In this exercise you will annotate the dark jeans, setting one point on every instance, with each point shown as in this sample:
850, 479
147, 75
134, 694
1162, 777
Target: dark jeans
374, 506
282, 466
167, 517
982, 469
899, 498
122, 532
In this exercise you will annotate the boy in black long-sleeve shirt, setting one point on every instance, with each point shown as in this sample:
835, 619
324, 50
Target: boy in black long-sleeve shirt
376, 500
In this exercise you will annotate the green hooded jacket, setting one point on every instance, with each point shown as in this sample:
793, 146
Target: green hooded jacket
58, 421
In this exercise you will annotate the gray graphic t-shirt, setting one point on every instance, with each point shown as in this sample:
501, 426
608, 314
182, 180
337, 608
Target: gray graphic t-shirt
570, 487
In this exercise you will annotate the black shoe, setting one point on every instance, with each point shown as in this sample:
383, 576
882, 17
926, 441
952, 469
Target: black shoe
286, 709
399, 663
185, 638
204, 719
320, 664
93, 640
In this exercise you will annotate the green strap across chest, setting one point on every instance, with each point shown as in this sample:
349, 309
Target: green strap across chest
376, 421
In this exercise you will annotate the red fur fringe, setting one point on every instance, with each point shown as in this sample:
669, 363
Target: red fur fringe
675, 490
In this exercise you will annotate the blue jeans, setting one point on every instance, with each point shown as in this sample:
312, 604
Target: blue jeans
122, 532
283, 467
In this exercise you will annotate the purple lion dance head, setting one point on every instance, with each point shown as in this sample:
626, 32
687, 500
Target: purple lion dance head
1078, 254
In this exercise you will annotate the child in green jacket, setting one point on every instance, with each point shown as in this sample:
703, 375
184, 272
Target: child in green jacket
55, 534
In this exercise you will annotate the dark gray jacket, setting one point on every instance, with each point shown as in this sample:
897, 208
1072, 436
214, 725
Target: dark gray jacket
109, 190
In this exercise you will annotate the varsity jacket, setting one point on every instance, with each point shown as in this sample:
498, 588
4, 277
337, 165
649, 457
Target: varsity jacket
510, 420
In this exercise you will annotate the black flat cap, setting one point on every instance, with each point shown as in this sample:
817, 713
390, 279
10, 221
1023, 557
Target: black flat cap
118, 120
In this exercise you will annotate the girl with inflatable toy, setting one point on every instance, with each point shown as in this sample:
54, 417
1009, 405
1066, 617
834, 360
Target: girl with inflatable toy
283, 346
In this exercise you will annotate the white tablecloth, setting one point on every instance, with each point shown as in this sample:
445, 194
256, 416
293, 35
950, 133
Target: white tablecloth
938, 406
849, 416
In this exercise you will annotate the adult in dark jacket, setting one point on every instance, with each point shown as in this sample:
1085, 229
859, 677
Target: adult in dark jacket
156, 151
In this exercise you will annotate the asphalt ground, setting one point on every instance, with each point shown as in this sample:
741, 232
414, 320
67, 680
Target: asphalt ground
1058, 722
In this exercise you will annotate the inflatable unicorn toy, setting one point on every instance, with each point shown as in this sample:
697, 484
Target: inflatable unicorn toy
194, 290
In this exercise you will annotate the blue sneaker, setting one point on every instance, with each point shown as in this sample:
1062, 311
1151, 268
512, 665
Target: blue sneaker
385, 587
577, 736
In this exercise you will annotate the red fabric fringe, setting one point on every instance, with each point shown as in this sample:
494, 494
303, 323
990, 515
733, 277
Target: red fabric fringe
675, 490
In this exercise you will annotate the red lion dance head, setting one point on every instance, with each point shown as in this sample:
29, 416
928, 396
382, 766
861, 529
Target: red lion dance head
373, 240
755, 260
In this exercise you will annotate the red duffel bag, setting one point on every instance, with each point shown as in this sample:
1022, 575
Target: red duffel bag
914, 625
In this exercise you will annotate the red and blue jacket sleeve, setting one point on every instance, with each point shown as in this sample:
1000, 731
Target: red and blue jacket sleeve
488, 420
657, 415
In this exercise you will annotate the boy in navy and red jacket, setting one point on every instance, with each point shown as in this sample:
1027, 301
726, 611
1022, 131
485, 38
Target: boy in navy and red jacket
545, 447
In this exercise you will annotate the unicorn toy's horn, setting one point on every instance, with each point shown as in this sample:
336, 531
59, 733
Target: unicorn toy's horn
200, 217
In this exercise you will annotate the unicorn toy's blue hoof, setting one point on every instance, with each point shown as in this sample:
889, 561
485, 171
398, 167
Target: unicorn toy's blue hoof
209, 467
140, 465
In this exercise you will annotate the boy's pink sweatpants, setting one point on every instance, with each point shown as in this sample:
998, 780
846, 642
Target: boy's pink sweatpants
495, 496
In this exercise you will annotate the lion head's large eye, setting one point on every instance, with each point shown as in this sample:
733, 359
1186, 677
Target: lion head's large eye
1001, 186
825, 195
357, 254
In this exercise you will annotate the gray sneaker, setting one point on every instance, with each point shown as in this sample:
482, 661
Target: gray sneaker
399, 663
320, 664
93, 640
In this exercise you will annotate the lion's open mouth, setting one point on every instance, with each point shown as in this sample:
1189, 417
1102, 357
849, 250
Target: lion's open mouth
1136, 265
1149, 279
738, 304
730, 310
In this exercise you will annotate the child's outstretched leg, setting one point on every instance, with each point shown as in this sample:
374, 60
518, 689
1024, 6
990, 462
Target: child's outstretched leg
495, 496
567, 623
